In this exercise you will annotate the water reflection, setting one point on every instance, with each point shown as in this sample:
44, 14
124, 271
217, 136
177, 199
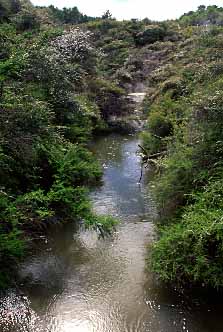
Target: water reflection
76, 282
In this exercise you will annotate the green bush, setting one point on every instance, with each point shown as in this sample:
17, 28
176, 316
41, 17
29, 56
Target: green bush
189, 187
104, 225
151, 143
68, 202
72, 164
159, 125
175, 87
150, 35
211, 14
81, 119
192, 249
109, 98
12, 244
26, 20
48, 111
176, 179
25, 127
8, 8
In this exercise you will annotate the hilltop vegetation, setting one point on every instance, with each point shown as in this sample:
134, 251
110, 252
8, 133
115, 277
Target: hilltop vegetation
203, 16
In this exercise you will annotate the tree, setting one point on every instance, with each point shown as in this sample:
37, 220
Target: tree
69, 15
107, 15
201, 8
8, 7
26, 20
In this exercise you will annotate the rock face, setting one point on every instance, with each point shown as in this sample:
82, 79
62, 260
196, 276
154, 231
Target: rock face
125, 124
134, 120
142, 68
144, 62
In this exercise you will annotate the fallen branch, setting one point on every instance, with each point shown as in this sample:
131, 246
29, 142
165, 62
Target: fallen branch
156, 136
156, 155
146, 159
151, 156
143, 150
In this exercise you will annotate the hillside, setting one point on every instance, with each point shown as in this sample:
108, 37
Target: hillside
184, 103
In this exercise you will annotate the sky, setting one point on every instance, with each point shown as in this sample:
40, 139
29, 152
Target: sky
127, 9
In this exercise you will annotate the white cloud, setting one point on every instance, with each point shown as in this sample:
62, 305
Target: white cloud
126, 9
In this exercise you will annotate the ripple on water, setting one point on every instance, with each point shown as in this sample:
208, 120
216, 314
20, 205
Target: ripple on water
15, 313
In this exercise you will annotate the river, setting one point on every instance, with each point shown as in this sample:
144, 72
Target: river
77, 282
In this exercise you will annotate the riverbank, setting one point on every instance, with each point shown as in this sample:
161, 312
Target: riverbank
185, 132
76, 281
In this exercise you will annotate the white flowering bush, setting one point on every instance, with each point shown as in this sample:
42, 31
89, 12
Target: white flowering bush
63, 61
74, 45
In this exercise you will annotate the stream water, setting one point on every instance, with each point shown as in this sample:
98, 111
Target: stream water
76, 282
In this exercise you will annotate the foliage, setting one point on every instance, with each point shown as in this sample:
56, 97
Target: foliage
104, 225
48, 111
109, 97
106, 15
203, 16
60, 83
185, 120
8, 7
69, 15
12, 245
151, 34
193, 247
26, 20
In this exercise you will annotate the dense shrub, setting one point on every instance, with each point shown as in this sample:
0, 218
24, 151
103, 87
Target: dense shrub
8, 8
151, 143
12, 244
150, 35
159, 125
69, 15
26, 20
109, 97
192, 250
203, 16
48, 111
185, 120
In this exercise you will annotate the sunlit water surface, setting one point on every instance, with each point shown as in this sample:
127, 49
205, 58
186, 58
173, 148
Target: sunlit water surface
76, 282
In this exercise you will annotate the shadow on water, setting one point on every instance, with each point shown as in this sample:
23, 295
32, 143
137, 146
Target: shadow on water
74, 281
